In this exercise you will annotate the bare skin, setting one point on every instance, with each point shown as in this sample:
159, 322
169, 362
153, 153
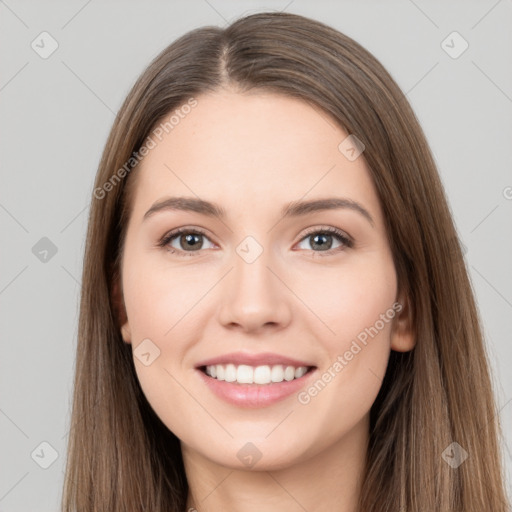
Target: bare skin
304, 297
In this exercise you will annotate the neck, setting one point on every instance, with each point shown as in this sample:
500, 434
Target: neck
328, 480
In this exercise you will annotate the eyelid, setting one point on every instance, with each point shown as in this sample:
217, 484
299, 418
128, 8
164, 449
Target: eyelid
325, 229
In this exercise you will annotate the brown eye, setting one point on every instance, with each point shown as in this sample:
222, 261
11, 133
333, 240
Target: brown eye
191, 241
321, 240
184, 241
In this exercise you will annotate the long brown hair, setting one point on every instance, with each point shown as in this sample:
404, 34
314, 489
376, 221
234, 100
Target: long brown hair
121, 457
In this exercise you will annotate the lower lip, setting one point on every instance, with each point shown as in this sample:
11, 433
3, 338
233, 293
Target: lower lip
254, 395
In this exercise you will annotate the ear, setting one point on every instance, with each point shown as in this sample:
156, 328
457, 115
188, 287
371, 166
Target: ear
120, 312
403, 338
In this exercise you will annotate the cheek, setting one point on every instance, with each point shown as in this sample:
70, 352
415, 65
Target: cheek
159, 297
355, 317
162, 306
344, 301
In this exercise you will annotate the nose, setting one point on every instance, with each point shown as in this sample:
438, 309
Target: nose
254, 296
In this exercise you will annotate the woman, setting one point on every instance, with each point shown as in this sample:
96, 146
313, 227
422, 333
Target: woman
221, 363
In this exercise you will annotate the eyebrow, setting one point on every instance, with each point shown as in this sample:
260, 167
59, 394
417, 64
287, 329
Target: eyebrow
293, 209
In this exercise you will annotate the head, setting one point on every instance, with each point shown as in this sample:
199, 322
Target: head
256, 119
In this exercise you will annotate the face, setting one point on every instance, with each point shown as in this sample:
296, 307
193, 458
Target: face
302, 300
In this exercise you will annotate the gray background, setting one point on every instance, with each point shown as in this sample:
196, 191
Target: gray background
55, 117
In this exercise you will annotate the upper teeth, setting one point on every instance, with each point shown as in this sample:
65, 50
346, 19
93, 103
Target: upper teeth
244, 374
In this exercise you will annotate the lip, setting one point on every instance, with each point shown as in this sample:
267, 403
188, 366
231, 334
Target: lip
265, 358
253, 396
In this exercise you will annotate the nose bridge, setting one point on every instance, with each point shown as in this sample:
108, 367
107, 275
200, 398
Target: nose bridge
252, 277
254, 296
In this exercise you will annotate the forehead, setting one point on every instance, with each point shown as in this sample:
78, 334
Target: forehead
253, 150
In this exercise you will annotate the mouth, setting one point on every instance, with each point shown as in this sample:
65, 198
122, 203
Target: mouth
254, 380
258, 375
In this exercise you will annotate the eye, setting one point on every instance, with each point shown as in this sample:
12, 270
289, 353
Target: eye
191, 241
323, 239
188, 241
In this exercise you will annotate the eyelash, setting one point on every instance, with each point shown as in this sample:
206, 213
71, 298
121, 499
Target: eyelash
342, 237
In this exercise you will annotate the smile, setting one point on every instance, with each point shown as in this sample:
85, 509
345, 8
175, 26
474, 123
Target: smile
251, 380
245, 374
